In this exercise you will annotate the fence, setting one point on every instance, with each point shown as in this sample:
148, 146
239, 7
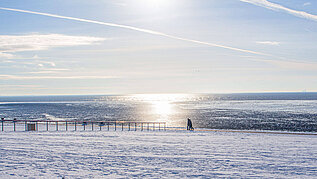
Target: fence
47, 125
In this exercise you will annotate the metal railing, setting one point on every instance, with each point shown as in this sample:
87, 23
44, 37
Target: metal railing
65, 125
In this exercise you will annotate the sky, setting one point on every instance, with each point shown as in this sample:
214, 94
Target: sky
80, 47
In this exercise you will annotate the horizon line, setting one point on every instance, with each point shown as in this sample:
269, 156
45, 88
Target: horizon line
180, 93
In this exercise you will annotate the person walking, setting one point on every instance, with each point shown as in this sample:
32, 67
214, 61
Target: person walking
189, 124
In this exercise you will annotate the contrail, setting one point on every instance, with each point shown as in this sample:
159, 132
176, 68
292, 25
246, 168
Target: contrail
278, 7
137, 29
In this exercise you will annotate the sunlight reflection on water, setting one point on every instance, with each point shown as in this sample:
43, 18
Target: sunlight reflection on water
295, 112
163, 107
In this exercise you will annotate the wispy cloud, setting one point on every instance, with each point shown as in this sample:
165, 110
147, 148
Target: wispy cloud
268, 42
278, 7
41, 63
15, 77
286, 64
56, 69
307, 4
49, 71
137, 29
6, 55
43, 72
295, 65
17, 43
120, 4
19, 86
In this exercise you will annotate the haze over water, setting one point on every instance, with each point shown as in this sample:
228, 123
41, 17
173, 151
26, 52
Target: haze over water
261, 111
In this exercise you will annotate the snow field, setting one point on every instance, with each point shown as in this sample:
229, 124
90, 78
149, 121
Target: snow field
153, 154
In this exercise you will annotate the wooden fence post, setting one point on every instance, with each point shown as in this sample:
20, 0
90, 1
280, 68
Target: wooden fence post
56, 126
129, 126
14, 124
66, 125
135, 126
115, 125
92, 126
25, 125
122, 127
46, 125
148, 126
108, 125
2, 119
37, 126
141, 126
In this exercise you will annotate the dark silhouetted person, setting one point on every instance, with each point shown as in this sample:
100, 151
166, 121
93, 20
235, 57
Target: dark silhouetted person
189, 124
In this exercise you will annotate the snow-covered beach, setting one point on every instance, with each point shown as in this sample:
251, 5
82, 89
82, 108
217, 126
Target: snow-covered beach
154, 154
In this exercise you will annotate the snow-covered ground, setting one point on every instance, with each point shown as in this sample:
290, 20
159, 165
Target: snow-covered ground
169, 154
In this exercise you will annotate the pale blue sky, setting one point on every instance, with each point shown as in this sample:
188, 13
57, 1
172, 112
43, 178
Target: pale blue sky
42, 55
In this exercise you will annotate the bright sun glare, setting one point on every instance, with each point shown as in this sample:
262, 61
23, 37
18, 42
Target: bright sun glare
162, 104
162, 108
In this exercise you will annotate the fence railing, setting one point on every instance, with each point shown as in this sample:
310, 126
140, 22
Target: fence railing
66, 125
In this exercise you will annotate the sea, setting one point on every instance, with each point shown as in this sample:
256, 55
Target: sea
243, 111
